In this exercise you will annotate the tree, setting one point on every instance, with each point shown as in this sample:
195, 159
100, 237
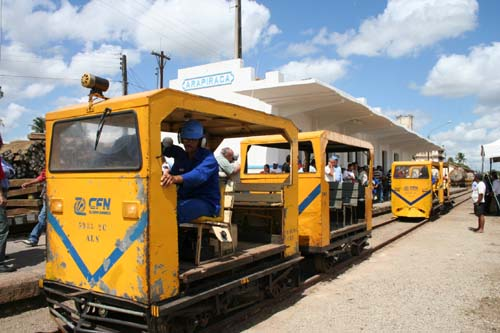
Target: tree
450, 160
460, 158
38, 125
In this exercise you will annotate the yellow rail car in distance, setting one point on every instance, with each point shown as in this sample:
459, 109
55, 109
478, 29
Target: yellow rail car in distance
114, 262
419, 188
334, 217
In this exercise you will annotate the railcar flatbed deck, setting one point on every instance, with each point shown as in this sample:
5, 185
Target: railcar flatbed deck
191, 273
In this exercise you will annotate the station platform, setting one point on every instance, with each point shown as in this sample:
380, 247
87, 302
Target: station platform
30, 262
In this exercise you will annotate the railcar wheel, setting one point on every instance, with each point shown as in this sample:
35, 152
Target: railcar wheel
325, 264
275, 291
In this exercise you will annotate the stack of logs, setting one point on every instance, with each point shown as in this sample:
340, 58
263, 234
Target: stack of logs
28, 159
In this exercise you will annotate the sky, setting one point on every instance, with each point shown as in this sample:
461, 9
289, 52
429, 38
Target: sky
438, 60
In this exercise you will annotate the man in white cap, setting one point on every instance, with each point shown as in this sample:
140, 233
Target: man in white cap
227, 163
333, 173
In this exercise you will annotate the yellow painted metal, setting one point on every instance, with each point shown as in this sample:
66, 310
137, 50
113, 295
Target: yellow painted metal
413, 197
127, 245
290, 194
314, 219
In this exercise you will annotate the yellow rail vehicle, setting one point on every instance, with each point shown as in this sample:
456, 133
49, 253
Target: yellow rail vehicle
334, 217
113, 257
419, 188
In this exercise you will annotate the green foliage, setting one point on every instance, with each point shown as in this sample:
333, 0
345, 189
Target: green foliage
38, 125
460, 158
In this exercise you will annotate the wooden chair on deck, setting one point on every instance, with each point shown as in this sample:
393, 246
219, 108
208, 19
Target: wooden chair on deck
220, 225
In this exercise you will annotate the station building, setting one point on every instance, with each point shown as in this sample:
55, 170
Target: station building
310, 103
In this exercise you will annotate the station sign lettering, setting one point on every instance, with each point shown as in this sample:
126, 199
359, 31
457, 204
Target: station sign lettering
208, 81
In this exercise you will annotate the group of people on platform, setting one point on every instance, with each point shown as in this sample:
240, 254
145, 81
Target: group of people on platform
485, 197
334, 173
7, 172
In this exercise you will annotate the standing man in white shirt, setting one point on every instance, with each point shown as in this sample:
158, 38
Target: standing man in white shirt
479, 203
496, 191
333, 173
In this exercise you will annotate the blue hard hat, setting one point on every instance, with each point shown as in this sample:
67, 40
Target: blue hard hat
192, 130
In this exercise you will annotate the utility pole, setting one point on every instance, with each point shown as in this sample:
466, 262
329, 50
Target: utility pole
237, 31
123, 67
160, 57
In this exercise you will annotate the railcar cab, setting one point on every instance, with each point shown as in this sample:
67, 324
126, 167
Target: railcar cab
334, 218
418, 188
113, 258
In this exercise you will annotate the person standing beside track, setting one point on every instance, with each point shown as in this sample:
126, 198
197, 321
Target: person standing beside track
42, 216
4, 223
197, 175
496, 191
479, 202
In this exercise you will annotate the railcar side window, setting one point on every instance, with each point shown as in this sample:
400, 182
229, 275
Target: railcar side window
73, 144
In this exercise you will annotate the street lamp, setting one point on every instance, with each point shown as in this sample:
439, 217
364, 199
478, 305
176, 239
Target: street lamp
438, 127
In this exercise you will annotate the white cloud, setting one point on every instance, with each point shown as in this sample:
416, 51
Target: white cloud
270, 32
11, 115
302, 49
474, 74
183, 28
406, 26
202, 29
24, 66
326, 70
42, 24
37, 89
467, 137
420, 118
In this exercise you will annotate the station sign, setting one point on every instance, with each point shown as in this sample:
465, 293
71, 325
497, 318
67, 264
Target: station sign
208, 81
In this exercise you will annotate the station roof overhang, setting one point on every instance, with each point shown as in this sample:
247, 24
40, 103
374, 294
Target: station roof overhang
333, 109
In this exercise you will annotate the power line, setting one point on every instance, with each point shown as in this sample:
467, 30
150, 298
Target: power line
156, 31
178, 26
39, 77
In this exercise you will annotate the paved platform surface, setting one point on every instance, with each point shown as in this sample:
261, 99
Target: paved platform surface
30, 263
441, 278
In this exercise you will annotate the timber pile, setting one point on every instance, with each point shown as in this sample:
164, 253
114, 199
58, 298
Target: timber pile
28, 159
23, 205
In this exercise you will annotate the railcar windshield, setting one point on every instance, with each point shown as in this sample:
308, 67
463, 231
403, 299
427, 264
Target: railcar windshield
73, 144
411, 172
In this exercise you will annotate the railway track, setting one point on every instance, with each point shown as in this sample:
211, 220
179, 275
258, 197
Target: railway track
383, 234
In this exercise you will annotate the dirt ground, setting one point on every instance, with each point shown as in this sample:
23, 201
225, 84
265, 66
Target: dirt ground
441, 278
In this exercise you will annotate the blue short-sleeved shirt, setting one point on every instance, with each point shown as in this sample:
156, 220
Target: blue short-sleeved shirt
201, 178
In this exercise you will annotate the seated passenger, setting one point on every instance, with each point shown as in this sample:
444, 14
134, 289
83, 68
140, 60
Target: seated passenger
171, 151
424, 173
275, 168
198, 193
266, 169
227, 163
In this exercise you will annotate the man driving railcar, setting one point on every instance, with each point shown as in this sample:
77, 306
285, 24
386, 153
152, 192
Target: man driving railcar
197, 176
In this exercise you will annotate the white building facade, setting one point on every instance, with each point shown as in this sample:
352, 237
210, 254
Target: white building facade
311, 104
